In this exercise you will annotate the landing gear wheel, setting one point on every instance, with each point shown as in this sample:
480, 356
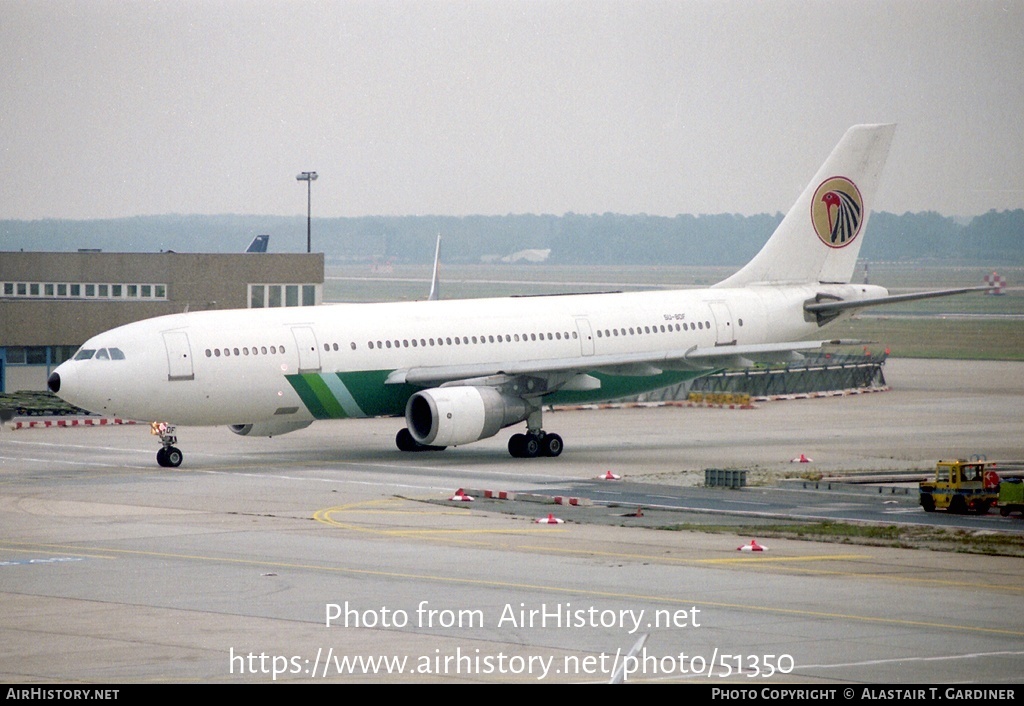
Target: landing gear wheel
515, 445
173, 456
405, 442
531, 446
169, 457
552, 445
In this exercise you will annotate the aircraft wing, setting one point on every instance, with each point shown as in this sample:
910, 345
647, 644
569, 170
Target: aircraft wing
560, 370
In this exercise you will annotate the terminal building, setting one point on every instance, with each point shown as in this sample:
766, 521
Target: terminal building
52, 302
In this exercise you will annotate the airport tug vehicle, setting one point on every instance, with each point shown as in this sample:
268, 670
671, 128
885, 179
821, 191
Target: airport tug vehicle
961, 486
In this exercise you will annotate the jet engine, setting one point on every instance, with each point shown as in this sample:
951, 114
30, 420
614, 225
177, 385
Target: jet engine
268, 428
449, 416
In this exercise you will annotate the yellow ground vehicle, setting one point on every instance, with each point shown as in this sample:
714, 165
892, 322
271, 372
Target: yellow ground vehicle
960, 487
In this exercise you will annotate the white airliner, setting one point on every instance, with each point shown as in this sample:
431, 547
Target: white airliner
462, 370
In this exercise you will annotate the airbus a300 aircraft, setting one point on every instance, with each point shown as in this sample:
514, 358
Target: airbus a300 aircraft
462, 370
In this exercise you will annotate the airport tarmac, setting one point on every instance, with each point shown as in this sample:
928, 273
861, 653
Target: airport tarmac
312, 556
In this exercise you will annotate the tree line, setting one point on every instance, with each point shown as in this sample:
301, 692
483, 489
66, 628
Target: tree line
995, 238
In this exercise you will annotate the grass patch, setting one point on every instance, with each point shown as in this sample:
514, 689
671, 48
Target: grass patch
936, 337
902, 537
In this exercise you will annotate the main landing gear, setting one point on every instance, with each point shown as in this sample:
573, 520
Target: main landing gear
169, 456
534, 444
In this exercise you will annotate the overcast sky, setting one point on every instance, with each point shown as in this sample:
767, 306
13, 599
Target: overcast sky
119, 108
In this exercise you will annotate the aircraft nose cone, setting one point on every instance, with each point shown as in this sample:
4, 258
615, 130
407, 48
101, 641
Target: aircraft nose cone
53, 383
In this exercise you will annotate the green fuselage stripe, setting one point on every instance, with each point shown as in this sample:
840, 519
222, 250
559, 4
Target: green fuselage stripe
342, 395
317, 397
365, 394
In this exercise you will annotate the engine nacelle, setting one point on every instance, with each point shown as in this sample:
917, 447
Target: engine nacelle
268, 428
449, 416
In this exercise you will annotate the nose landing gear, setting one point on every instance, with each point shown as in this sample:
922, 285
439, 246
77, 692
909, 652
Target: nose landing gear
169, 456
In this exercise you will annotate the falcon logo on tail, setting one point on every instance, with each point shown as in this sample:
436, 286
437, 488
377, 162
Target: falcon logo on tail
837, 212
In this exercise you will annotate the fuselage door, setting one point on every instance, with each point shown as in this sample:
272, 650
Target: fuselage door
724, 333
586, 336
179, 356
309, 354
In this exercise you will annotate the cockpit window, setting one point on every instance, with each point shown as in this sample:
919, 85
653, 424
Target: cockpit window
101, 354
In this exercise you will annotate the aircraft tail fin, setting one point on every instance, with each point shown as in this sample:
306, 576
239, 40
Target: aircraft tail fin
820, 237
259, 244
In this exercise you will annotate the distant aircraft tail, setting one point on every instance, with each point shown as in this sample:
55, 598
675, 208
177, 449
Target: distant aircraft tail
259, 244
820, 237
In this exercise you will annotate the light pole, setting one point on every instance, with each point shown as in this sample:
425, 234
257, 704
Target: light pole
309, 178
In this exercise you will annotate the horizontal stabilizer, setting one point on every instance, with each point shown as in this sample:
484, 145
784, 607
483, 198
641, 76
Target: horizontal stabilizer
828, 307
